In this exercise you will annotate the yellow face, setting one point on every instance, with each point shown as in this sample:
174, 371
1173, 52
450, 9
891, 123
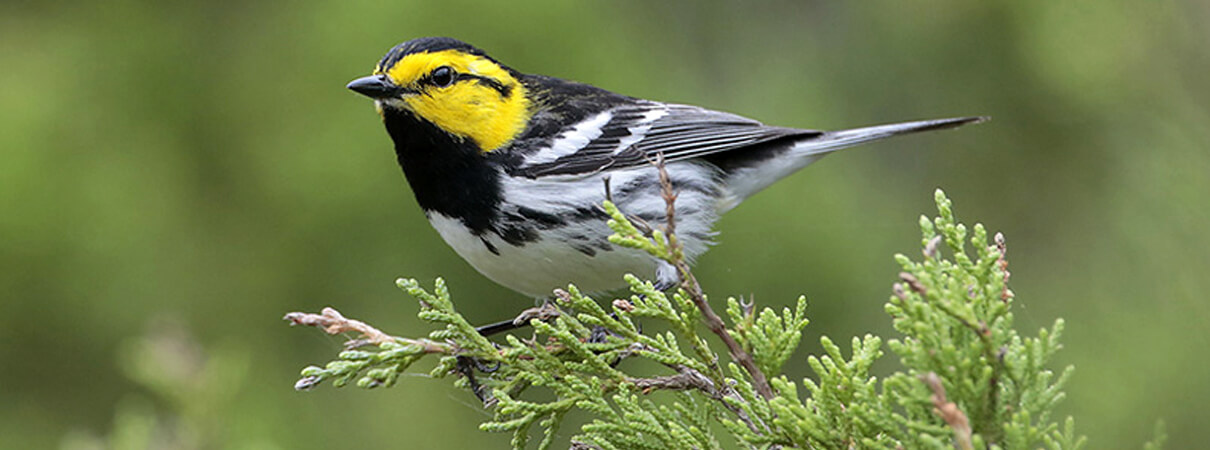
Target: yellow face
468, 96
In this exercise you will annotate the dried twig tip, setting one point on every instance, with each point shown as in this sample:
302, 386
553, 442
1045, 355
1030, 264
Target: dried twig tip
306, 383
913, 283
930, 250
899, 291
332, 322
1002, 248
949, 412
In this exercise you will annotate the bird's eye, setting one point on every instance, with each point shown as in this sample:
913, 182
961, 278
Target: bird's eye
442, 76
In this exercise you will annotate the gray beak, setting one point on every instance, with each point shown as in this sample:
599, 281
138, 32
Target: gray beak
375, 86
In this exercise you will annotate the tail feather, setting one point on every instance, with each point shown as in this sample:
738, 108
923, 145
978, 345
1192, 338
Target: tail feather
745, 181
836, 140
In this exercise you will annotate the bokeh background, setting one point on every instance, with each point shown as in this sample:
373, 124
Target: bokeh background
174, 176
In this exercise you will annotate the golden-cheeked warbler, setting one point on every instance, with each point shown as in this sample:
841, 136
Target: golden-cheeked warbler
510, 168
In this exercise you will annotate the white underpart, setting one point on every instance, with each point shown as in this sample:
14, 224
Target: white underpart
572, 140
538, 267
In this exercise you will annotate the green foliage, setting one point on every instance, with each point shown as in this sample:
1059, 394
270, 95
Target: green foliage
771, 338
967, 380
185, 394
1159, 437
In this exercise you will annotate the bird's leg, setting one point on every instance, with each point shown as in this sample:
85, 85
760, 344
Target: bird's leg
665, 279
545, 311
502, 326
466, 367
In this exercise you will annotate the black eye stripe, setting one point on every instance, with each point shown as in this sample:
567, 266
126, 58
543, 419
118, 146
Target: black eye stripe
488, 81
436, 78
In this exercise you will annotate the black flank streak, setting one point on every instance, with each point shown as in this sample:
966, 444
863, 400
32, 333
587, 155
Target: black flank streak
544, 220
490, 247
587, 246
584, 214
631, 188
651, 218
585, 249
517, 236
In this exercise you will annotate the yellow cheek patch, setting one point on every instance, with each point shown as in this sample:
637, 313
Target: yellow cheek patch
469, 108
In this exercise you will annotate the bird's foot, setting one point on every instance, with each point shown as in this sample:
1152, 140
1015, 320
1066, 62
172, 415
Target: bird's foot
546, 311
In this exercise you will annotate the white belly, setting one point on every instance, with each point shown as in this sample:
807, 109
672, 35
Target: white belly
540, 266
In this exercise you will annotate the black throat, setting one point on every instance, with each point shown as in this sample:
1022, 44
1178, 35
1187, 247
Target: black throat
448, 175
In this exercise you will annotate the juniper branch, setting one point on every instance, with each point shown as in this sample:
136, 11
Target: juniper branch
396, 353
968, 379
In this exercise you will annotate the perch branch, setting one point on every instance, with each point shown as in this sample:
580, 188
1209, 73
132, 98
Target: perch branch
690, 284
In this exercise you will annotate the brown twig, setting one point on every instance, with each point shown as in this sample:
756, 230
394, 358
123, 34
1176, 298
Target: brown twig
688, 378
668, 193
690, 284
949, 412
685, 380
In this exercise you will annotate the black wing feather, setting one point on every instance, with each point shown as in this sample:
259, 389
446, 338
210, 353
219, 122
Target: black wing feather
682, 132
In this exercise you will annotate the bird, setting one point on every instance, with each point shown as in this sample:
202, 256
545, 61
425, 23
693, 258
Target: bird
511, 169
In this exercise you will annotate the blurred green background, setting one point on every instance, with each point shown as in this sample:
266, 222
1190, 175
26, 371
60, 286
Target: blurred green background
177, 175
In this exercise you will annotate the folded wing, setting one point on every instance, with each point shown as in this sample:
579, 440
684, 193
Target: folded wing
633, 135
